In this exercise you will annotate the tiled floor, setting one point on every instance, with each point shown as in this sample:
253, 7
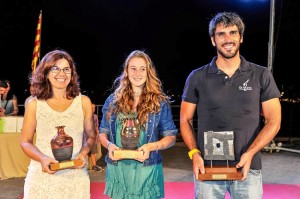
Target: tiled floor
281, 167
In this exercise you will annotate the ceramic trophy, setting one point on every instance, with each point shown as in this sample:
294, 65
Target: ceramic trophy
219, 146
62, 149
130, 135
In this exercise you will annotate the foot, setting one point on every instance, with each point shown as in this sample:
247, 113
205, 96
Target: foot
97, 168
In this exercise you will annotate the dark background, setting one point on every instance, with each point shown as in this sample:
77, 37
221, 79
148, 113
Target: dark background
99, 34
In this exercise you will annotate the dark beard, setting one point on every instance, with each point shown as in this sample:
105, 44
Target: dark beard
228, 55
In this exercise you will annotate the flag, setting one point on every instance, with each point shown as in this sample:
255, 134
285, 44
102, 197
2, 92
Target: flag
37, 44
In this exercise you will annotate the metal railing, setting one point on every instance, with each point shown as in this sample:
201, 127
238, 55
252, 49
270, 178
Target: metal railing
290, 127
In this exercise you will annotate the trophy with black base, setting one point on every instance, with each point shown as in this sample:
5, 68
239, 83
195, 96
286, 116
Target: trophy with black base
130, 135
62, 149
219, 146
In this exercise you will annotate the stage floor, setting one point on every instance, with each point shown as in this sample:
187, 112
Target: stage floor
278, 168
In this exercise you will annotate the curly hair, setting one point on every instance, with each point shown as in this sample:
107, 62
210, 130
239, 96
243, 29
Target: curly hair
39, 78
151, 97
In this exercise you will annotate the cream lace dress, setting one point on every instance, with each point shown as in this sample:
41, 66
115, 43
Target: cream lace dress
68, 183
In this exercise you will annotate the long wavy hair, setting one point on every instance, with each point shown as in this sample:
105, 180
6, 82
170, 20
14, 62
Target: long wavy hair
152, 93
40, 81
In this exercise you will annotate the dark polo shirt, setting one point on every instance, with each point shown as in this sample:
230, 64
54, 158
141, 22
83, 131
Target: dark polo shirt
230, 104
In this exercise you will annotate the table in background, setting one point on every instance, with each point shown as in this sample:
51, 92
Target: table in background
13, 161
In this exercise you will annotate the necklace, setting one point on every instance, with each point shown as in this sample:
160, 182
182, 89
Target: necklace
137, 92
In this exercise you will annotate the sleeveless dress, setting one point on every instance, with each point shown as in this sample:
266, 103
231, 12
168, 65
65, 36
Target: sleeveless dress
67, 183
130, 179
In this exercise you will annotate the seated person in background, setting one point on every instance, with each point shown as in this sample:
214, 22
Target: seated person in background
9, 102
31, 90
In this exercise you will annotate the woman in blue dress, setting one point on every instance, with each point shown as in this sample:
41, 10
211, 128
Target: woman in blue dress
138, 106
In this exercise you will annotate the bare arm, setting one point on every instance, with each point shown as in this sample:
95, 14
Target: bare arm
104, 140
27, 137
272, 114
96, 121
15, 104
164, 143
107, 144
187, 112
89, 127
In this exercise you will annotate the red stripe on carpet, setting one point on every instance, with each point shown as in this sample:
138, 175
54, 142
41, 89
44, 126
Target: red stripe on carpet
179, 190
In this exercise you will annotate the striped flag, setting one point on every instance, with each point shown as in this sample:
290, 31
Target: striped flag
37, 44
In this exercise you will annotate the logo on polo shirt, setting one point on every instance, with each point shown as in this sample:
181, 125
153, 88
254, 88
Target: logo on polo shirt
245, 86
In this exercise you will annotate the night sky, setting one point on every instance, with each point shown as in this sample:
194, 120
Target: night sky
99, 34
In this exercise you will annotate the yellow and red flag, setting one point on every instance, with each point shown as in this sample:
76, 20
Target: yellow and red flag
37, 44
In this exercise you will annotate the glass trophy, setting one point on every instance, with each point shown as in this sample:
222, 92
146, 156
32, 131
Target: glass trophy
219, 146
62, 149
130, 135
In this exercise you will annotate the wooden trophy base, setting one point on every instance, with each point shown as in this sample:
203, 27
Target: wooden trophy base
69, 164
127, 154
220, 173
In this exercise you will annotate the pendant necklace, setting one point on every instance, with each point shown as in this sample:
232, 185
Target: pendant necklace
137, 92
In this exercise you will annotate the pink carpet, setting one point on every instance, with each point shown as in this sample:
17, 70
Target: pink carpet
179, 190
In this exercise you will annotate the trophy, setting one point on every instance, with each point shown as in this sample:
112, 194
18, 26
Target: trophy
62, 149
219, 146
130, 135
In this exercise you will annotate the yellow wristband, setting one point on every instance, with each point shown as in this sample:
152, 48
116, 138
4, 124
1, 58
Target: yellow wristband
191, 152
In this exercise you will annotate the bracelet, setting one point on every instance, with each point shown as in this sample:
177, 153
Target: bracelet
109, 143
191, 153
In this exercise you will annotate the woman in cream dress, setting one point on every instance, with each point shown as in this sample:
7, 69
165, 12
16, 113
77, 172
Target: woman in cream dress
57, 102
